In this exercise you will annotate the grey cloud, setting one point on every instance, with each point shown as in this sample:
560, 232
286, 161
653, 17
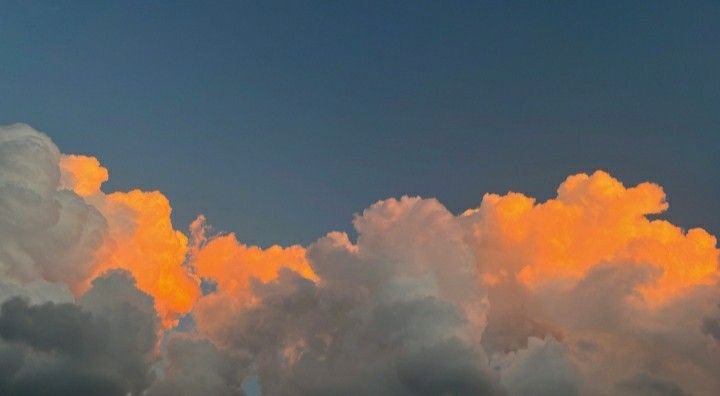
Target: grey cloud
543, 368
37, 291
644, 384
66, 349
389, 316
711, 326
197, 367
45, 233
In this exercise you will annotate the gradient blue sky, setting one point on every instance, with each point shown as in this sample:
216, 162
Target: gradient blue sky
279, 120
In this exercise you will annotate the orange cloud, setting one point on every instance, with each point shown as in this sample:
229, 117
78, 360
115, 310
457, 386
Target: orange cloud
232, 264
552, 297
594, 220
82, 174
140, 238
143, 241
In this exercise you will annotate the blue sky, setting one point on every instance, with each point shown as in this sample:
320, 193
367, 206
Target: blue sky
279, 120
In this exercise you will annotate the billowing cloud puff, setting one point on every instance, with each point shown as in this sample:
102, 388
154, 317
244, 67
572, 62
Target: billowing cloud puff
587, 293
141, 238
593, 220
543, 368
101, 346
82, 174
57, 225
45, 232
197, 367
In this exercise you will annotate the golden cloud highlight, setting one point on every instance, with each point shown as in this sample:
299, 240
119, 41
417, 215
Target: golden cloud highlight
588, 292
140, 238
594, 220
82, 174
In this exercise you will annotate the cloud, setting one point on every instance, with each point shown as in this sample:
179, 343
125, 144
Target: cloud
45, 232
197, 367
646, 385
594, 220
712, 327
141, 239
543, 368
57, 225
584, 293
396, 313
82, 174
37, 292
101, 346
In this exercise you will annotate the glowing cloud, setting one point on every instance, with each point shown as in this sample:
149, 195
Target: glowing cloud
82, 174
594, 220
581, 294
140, 238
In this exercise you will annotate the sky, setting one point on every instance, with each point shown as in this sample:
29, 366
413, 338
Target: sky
357, 198
279, 120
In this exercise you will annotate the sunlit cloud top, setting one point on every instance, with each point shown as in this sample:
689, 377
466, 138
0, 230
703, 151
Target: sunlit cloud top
589, 292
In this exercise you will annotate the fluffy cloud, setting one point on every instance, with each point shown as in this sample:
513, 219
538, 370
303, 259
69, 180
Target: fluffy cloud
580, 294
57, 225
543, 368
197, 367
45, 232
101, 346
140, 237
396, 313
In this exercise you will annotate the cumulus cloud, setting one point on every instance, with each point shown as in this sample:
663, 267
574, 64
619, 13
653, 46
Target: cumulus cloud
543, 368
101, 346
712, 327
198, 367
36, 292
646, 385
396, 313
56, 224
581, 294
45, 232
570, 296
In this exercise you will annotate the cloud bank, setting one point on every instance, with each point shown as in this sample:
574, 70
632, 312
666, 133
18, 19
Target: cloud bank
587, 293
